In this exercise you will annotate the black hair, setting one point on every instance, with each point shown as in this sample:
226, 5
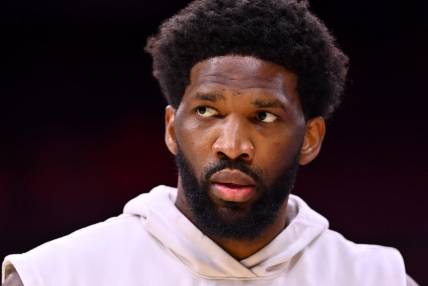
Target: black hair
283, 32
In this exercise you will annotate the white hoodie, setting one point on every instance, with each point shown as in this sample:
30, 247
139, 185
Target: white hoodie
153, 243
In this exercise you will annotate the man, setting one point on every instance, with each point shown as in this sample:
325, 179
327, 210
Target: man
249, 85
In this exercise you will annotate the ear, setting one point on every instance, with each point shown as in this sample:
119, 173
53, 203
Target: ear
170, 129
314, 136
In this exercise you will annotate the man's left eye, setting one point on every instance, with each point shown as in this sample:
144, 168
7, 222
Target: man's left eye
266, 117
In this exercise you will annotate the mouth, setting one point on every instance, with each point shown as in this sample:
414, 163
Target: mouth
233, 186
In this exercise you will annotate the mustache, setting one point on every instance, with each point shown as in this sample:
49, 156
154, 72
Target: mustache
255, 174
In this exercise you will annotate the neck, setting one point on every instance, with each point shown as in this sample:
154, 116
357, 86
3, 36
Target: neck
239, 248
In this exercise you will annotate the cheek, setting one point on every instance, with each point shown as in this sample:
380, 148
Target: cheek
276, 154
273, 153
194, 143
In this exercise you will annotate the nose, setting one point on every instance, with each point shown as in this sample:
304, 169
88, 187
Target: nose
234, 141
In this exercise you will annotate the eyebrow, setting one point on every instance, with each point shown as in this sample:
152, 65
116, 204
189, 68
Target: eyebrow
213, 97
270, 103
259, 103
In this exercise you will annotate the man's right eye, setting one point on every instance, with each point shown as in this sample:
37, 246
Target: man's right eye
206, 111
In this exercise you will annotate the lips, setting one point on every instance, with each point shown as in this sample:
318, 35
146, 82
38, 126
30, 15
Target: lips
233, 185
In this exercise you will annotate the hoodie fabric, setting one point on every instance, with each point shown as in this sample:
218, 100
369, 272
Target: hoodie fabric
153, 243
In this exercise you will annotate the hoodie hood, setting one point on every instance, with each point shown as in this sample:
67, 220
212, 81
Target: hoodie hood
160, 217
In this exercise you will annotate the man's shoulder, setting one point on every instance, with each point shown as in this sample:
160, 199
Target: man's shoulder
336, 244
362, 260
101, 245
100, 234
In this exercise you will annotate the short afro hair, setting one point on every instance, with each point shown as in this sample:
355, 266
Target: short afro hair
283, 32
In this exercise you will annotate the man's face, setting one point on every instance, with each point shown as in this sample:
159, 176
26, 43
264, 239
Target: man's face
237, 136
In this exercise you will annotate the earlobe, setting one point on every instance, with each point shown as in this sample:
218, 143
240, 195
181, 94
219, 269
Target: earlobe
314, 136
170, 139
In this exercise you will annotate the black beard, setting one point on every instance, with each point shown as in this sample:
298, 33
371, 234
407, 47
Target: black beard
231, 221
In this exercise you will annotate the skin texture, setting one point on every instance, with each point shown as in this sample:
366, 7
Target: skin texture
245, 109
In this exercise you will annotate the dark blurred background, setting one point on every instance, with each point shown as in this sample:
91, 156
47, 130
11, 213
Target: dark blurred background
81, 121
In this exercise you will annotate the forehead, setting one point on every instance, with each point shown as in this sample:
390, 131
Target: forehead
242, 74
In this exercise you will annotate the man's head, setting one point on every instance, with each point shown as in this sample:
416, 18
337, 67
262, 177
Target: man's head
249, 84
284, 32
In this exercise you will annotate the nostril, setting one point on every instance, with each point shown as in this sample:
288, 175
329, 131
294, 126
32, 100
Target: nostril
244, 157
222, 156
